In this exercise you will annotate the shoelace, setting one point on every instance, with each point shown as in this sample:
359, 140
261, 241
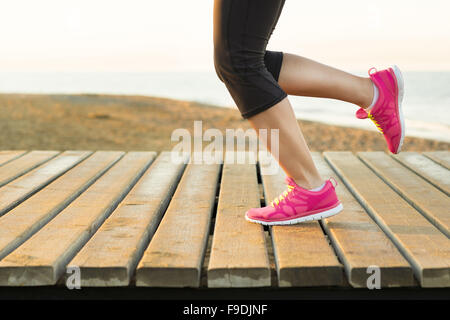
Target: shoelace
370, 116
277, 200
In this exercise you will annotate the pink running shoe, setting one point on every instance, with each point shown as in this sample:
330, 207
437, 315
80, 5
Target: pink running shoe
387, 111
298, 205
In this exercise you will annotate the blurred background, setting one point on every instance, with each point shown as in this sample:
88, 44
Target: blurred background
164, 49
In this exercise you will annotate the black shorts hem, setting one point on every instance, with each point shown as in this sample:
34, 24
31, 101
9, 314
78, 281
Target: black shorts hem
262, 108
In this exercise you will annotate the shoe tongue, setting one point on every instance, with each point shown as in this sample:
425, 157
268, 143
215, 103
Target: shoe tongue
361, 114
290, 182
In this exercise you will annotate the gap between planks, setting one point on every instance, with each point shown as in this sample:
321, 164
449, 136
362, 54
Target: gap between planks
34, 180
239, 255
10, 155
313, 262
431, 202
431, 171
23, 221
42, 259
110, 257
424, 246
360, 243
175, 255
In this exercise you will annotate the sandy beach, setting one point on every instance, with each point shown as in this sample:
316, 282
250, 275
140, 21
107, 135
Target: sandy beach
116, 122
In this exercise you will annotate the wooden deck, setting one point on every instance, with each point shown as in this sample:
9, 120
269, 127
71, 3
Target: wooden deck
138, 219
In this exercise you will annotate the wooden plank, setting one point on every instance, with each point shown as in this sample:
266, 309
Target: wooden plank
111, 255
42, 259
313, 261
22, 165
360, 243
428, 200
10, 155
423, 245
238, 255
25, 186
24, 220
441, 157
175, 255
427, 169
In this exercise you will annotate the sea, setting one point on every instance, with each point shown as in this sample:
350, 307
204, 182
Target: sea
426, 104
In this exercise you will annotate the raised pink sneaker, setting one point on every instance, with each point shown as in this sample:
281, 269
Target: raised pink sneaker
387, 111
297, 205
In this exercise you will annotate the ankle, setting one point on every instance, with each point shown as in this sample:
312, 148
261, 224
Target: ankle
367, 93
309, 184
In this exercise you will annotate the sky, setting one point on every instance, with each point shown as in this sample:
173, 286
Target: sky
176, 35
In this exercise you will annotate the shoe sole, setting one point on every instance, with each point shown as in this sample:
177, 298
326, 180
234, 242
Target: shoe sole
317, 216
401, 92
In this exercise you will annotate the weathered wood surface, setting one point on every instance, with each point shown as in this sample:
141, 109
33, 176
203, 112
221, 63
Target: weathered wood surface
303, 256
42, 259
105, 212
24, 220
425, 247
441, 157
431, 171
110, 257
431, 202
9, 155
21, 188
238, 255
359, 241
175, 255
13, 169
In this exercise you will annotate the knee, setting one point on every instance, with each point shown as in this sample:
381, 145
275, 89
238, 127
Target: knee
236, 64
221, 56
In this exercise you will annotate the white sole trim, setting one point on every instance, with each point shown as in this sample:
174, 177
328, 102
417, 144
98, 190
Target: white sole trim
317, 216
401, 92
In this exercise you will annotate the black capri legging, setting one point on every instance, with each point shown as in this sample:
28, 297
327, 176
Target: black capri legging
242, 29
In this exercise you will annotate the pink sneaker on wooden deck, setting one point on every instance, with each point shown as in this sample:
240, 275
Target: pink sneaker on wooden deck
297, 205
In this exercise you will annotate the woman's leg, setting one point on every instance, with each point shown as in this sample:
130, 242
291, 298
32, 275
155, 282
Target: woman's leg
250, 73
242, 29
304, 77
294, 156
